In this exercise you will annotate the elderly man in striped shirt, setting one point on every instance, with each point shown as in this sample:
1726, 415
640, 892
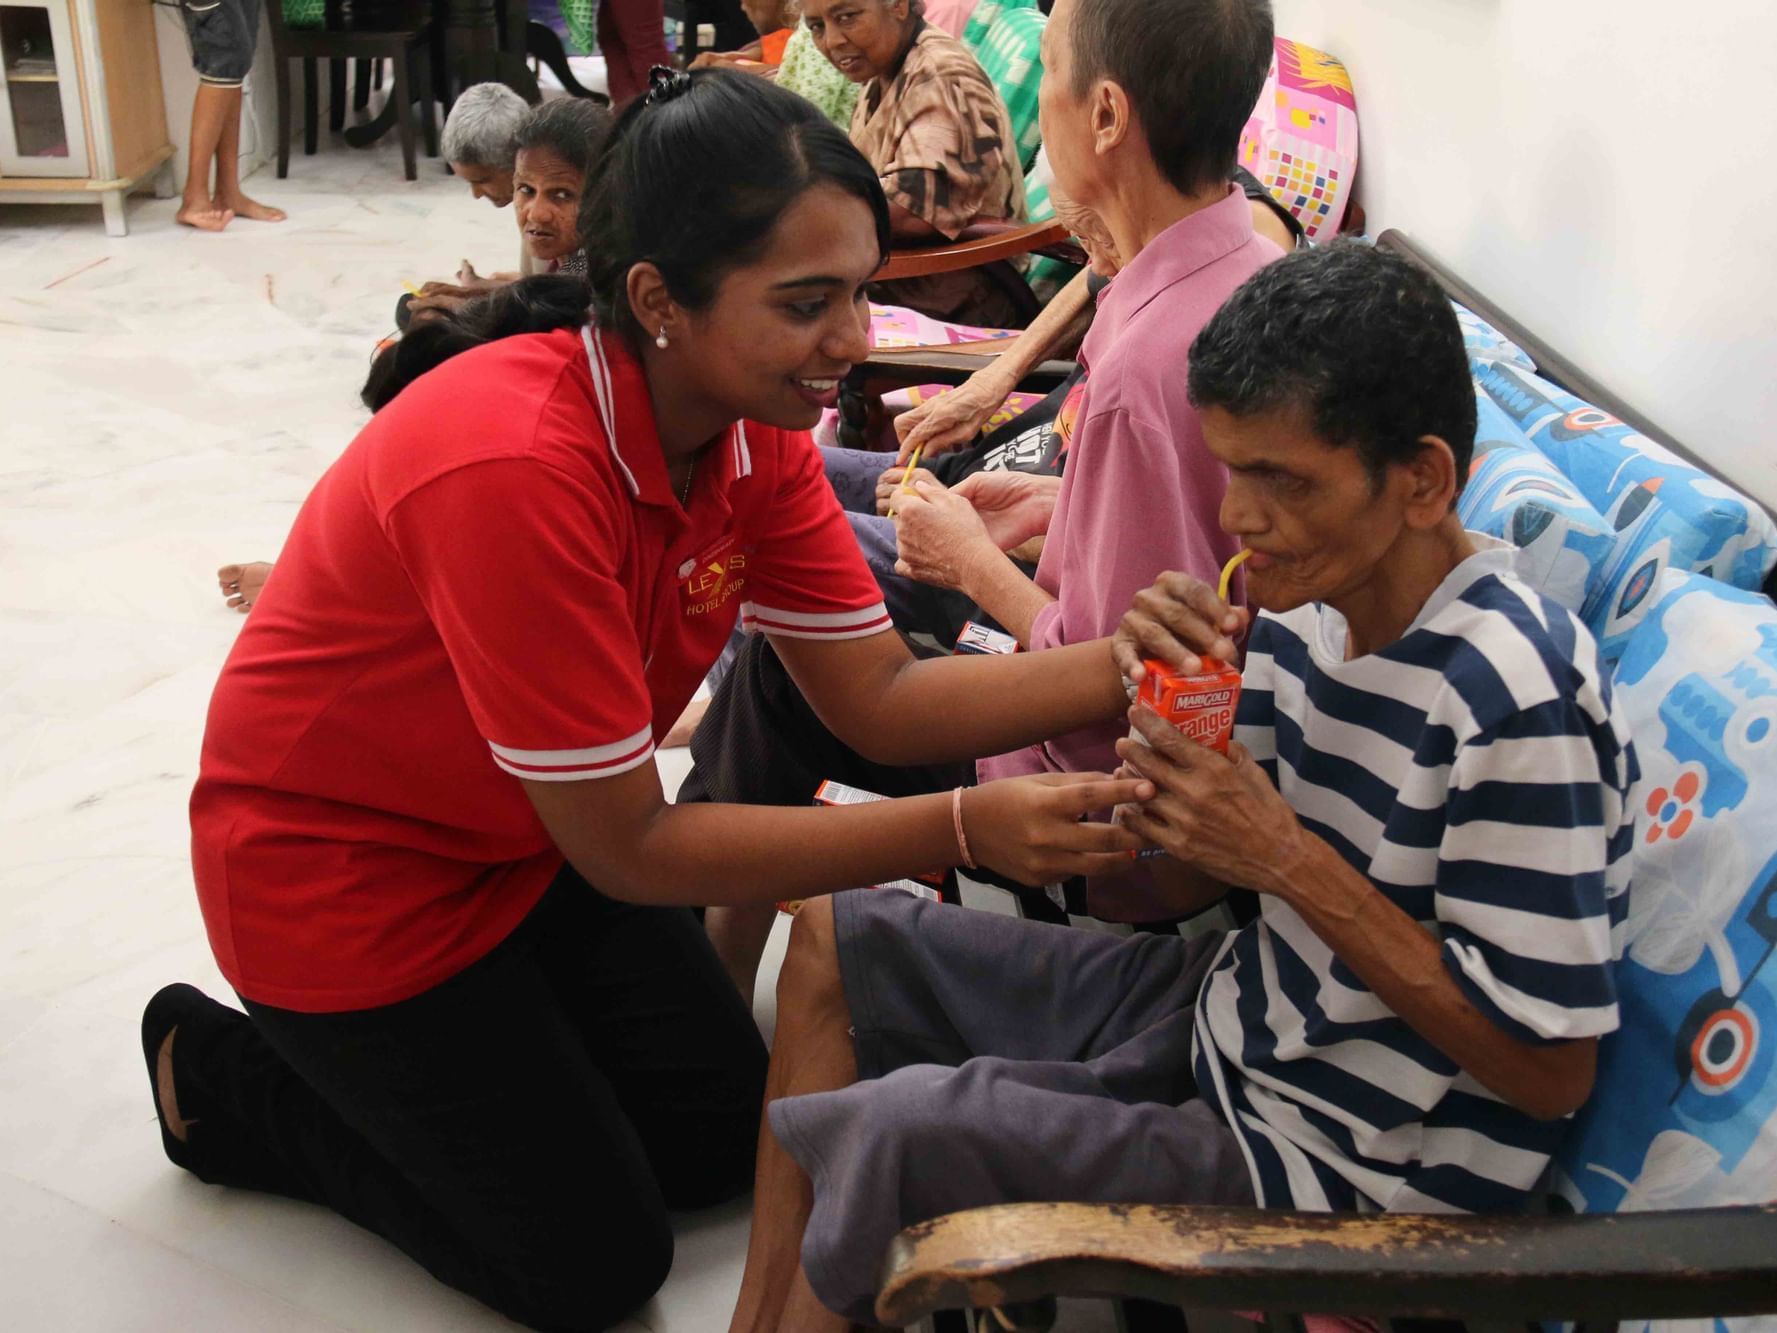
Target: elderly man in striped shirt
1425, 814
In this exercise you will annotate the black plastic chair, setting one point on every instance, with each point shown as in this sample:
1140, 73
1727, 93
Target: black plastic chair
402, 33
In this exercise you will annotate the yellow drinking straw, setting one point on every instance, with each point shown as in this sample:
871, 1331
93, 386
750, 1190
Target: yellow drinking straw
411, 289
1228, 571
907, 476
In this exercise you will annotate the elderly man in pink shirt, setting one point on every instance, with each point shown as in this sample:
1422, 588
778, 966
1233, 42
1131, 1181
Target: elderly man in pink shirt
1152, 165
1140, 491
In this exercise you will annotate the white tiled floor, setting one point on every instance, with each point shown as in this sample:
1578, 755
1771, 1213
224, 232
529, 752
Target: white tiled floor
166, 401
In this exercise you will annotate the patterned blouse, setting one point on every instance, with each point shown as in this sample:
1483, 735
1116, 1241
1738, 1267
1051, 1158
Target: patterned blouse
805, 70
938, 134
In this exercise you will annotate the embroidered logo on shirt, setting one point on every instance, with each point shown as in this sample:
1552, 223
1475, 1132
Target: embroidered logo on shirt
714, 577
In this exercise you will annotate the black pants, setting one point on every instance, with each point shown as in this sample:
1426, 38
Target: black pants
520, 1130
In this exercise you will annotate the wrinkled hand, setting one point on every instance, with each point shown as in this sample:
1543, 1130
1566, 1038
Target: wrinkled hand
888, 486
941, 537
1014, 506
1031, 829
1176, 621
440, 298
1218, 813
952, 419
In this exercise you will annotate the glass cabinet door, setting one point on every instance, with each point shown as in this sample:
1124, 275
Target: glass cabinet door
40, 129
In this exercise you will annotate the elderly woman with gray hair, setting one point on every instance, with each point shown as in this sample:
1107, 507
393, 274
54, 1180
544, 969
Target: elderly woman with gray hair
481, 139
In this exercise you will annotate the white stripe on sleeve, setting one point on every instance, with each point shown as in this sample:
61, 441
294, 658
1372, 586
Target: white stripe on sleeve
597, 761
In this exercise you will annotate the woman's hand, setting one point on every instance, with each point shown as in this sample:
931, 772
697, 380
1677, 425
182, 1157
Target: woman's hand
1014, 506
1178, 620
1219, 814
1033, 830
940, 536
952, 419
890, 483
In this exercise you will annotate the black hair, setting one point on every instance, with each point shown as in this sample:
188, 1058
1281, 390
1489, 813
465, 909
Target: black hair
1192, 69
572, 128
696, 174
538, 304
1364, 342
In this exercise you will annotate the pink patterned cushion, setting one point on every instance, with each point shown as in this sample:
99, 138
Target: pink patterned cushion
1302, 138
897, 326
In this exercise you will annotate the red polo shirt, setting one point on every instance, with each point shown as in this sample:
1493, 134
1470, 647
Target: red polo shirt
495, 579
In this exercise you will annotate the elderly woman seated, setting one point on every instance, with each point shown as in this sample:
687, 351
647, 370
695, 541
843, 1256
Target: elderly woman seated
931, 123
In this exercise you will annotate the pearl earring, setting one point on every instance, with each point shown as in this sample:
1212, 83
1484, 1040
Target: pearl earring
660, 338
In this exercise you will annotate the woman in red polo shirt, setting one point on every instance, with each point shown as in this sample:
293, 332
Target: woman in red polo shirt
435, 736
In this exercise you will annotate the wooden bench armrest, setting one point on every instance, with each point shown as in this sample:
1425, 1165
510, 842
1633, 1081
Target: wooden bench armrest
1690, 1264
981, 244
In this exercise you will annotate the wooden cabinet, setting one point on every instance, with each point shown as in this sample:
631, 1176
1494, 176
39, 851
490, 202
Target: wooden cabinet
81, 118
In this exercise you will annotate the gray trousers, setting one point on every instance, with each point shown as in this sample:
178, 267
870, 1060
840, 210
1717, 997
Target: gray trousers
1001, 1061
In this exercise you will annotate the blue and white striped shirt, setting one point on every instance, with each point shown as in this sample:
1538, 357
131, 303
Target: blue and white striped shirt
1478, 773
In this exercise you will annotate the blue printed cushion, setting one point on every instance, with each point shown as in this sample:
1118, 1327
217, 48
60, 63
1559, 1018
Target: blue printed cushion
1484, 342
1684, 1113
1666, 511
1516, 494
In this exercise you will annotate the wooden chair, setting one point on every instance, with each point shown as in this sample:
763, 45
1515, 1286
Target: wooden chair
402, 33
992, 245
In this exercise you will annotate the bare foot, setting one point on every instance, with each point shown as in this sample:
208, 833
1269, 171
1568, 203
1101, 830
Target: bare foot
203, 215
680, 735
177, 1125
241, 583
251, 209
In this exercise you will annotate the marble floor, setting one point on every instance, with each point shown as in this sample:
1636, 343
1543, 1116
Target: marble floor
166, 401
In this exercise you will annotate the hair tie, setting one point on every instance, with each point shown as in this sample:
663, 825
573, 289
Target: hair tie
664, 84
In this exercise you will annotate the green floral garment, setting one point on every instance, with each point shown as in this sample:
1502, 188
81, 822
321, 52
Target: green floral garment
805, 70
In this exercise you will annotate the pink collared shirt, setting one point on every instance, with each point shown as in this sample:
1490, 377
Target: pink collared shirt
1141, 492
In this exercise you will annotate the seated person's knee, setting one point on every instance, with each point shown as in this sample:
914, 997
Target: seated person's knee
811, 965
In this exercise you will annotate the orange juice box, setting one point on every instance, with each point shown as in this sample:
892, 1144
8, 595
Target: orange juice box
1201, 706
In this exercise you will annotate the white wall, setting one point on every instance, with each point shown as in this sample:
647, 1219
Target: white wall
1606, 170
259, 119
